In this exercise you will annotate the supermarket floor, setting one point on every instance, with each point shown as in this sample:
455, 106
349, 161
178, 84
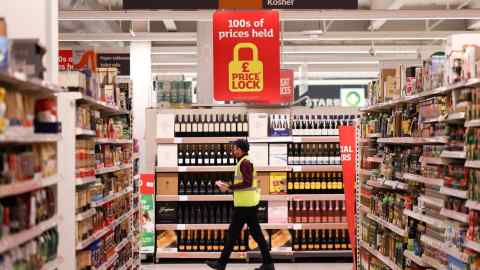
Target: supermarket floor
279, 266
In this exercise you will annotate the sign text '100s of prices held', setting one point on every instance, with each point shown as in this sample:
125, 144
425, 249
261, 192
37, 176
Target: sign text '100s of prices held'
246, 55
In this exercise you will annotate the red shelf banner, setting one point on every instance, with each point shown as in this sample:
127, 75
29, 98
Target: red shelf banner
348, 154
246, 52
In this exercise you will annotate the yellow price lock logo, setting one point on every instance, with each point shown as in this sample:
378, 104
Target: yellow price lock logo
245, 75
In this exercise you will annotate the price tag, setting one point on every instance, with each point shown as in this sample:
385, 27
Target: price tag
297, 168
181, 227
297, 139
183, 198
297, 227
178, 140
182, 169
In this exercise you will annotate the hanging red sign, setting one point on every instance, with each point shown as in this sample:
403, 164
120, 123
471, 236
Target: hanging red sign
246, 49
286, 85
147, 183
348, 155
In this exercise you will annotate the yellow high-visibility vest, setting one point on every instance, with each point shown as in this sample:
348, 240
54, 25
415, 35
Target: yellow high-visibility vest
247, 197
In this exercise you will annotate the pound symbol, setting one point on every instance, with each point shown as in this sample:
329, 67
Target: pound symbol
245, 68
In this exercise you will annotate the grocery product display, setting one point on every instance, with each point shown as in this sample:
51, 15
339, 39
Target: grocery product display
106, 208
418, 153
302, 202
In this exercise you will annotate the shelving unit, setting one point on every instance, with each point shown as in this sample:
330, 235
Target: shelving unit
164, 163
72, 135
428, 162
10, 241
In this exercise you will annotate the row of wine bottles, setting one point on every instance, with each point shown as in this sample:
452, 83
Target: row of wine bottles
298, 240
219, 154
211, 125
309, 240
319, 125
200, 212
315, 182
202, 183
313, 154
317, 212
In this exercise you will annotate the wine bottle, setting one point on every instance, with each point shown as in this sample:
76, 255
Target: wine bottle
245, 125
313, 212
308, 183
303, 242
316, 240
200, 126
301, 184
311, 243
194, 125
205, 124
324, 184
216, 126
331, 240
181, 185
200, 159
188, 242
177, 126
181, 156
193, 156
212, 155
225, 159
186, 155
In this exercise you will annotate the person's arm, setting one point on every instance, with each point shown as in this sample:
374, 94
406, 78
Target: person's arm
246, 168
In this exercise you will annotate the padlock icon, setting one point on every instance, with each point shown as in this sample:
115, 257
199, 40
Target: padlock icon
245, 75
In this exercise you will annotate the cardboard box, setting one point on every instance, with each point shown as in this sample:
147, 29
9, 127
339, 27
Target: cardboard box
280, 240
166, 241
165, 125
387, 81
264, 182
167, 155
167, 183
278, 154
278, 212
253, 245
259, 154
258, 125
278, 183
165, 212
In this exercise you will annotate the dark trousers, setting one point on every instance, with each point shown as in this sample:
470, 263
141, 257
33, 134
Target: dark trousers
242, 216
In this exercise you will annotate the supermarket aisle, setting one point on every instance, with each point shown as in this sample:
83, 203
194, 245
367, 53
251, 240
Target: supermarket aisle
279, 266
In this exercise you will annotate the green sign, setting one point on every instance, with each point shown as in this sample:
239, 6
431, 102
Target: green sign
147, 237
352, 97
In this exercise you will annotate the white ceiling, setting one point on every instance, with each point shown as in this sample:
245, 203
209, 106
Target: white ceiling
350, 35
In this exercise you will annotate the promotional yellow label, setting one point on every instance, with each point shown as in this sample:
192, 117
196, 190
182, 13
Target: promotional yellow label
245, 75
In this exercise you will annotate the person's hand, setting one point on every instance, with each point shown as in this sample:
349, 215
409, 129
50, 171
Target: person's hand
224, 187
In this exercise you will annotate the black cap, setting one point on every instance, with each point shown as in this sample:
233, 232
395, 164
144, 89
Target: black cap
242, 144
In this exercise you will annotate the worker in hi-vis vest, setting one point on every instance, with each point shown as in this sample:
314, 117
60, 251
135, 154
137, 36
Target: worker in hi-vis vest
246, 197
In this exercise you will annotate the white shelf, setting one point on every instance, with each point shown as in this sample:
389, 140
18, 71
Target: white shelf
375, 159
388, 184
203, 140
475, 246
454, 154
102, 106
14, 240
473, 164
267, 226
85, 243
462, 194
29, 138
473, 123
111, 197
366, 172
432, 200
394, 228
473, 205
426, 94
85, 180
439, 245
418, 260
112, 141
413, 140
427, 219
28, 186
421, 179
29, 86
84, 215
454, 215
433, 160
379, 256
85, 132
434, 263
295, 168
196, 255
113, 169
